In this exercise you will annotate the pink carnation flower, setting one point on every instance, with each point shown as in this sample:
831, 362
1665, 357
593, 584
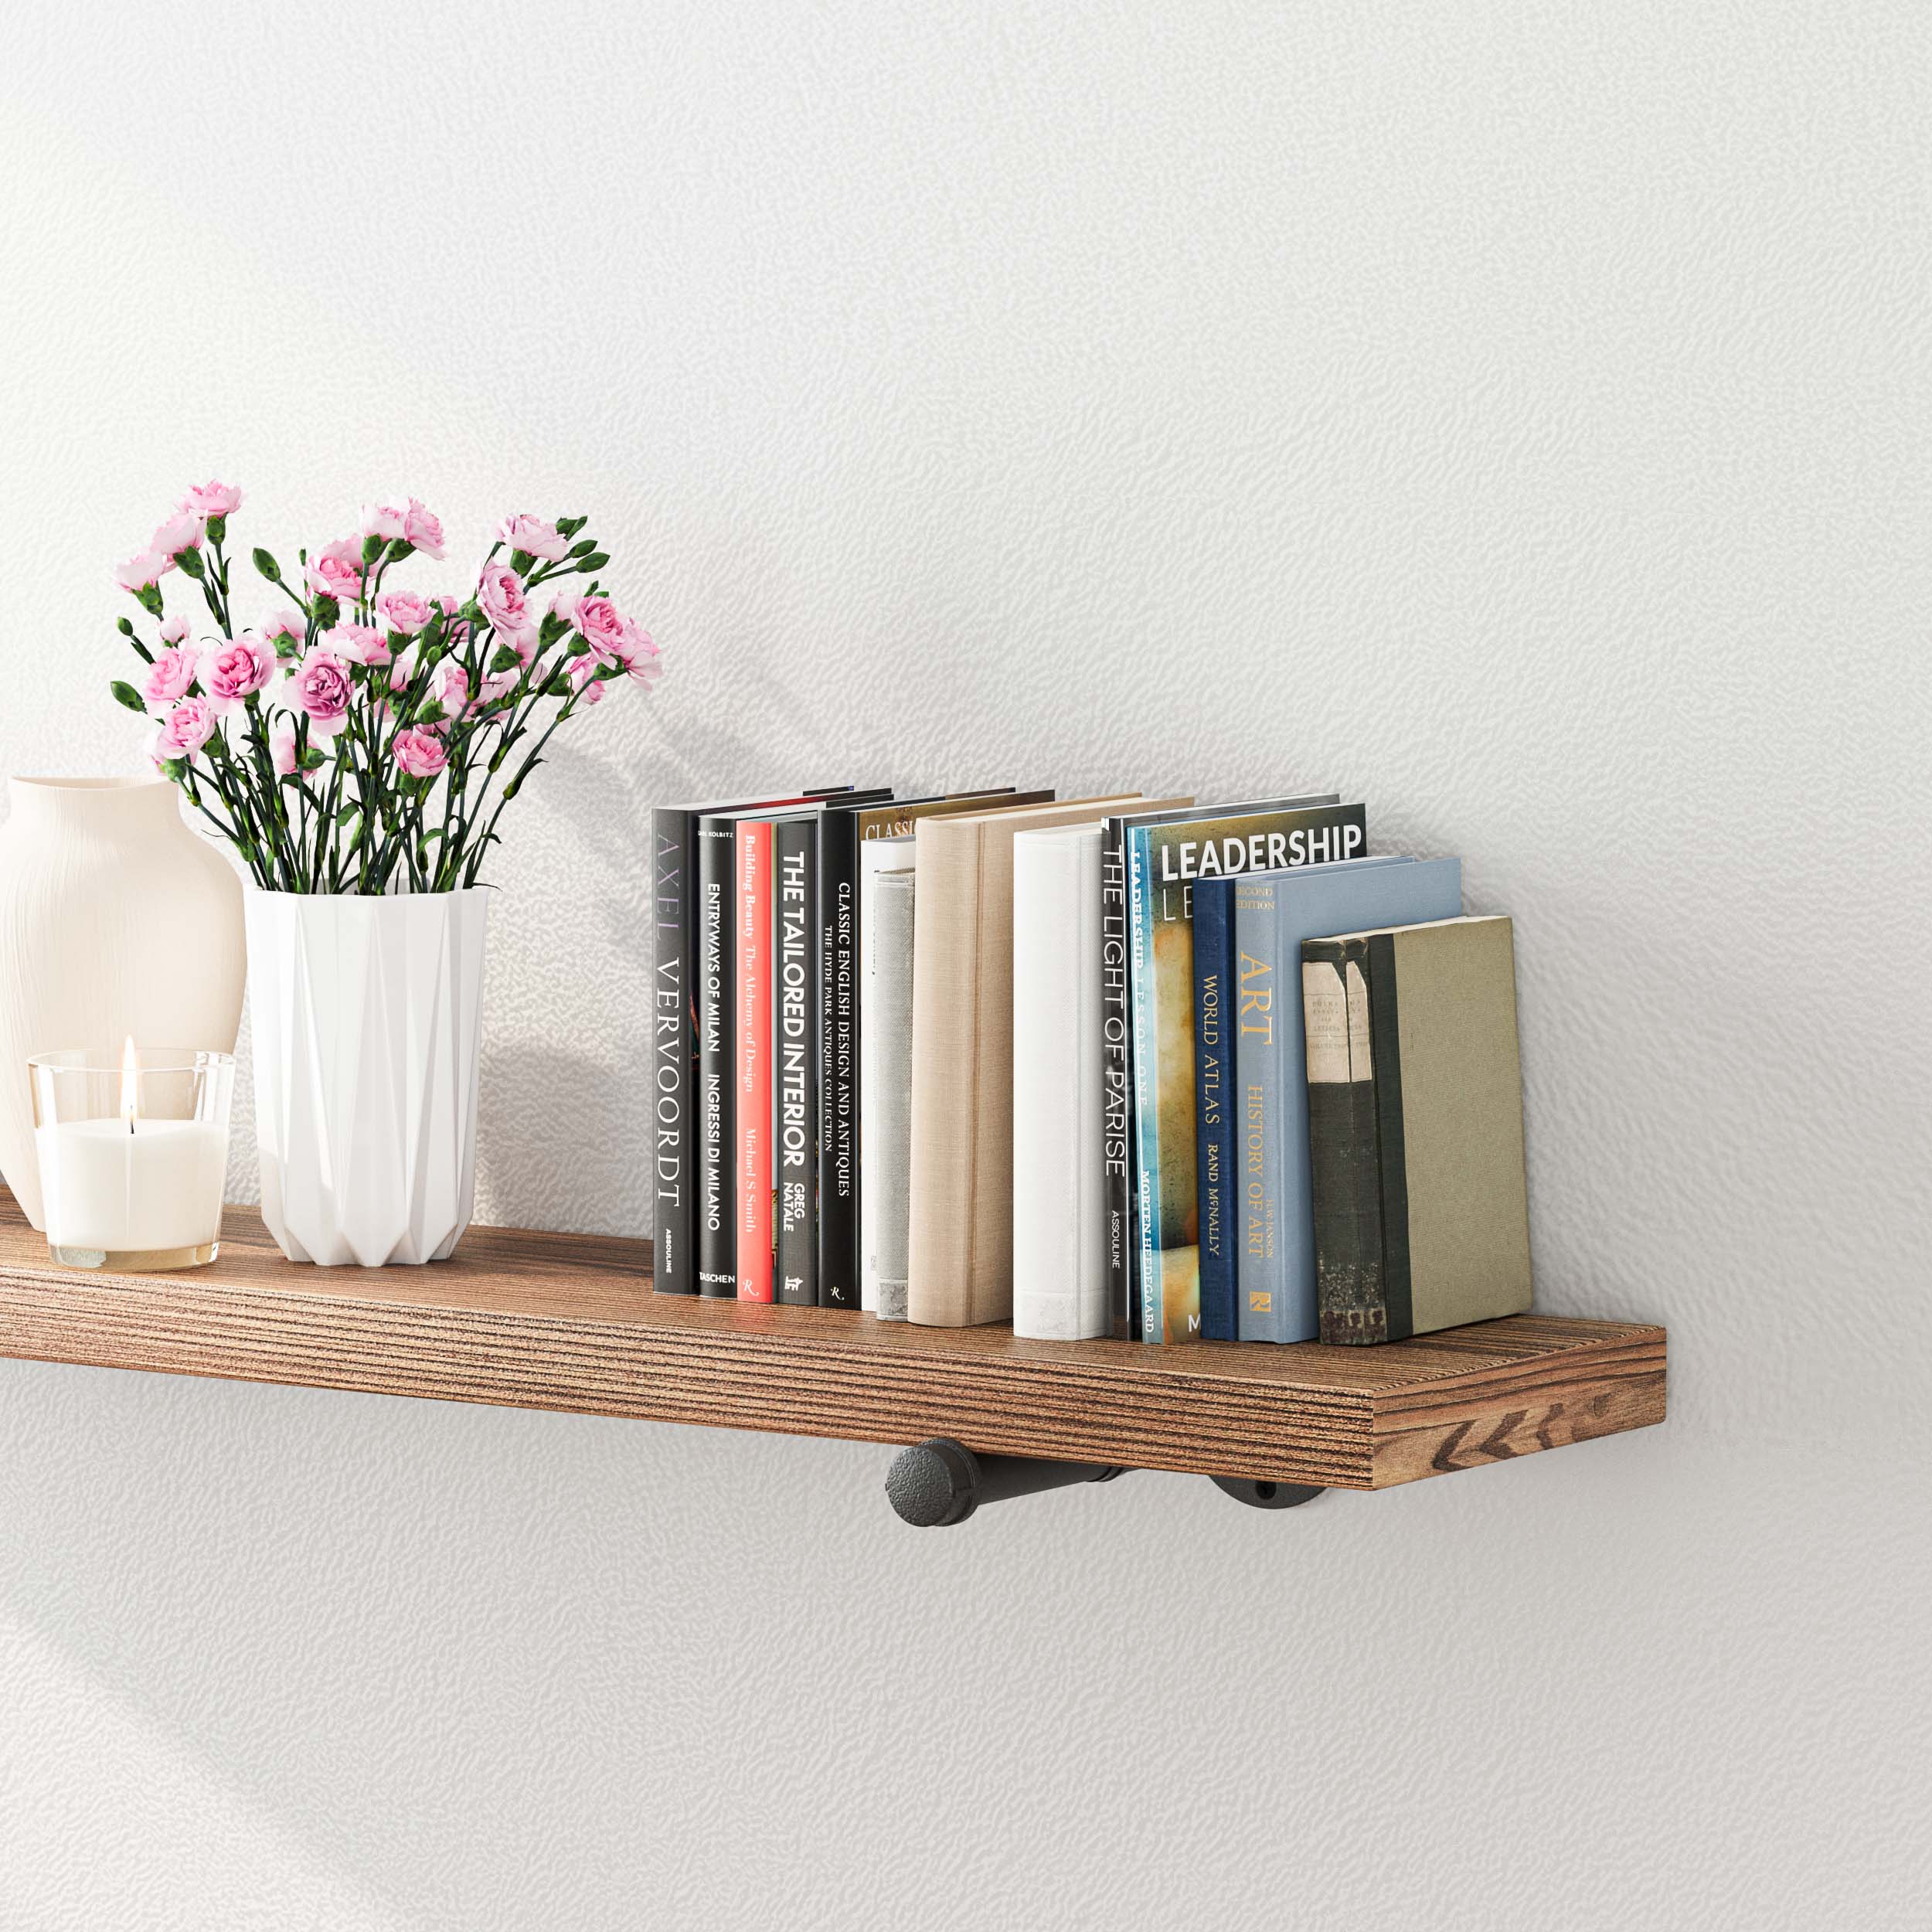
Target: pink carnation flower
170, 678
404, 611
212, 499
424, 532
361, 642
455, 628
181, 532
533, 536
337, 571
281, 747
451, 689
499, 594
614, 639
421, 753
582, 673
384, 520
139, 572
174, 630
185, 729
321, 687
236, 671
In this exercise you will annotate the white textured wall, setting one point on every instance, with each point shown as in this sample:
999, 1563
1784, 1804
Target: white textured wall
1519, 416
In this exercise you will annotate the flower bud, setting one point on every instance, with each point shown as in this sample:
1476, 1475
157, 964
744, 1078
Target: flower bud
268, 566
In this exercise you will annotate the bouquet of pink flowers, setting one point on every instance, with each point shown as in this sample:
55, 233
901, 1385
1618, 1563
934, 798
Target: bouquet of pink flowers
355, 741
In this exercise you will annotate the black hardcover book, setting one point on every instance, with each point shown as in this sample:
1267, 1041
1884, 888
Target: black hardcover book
715, 1192
1117, 1086
697, 1248
674, 1051
795, 1031
843, 827
1343, 1160
674, 1040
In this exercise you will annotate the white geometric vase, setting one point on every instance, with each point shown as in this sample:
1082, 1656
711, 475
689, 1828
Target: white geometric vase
365, 1013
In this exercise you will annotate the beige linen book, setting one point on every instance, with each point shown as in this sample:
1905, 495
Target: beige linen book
960, 1258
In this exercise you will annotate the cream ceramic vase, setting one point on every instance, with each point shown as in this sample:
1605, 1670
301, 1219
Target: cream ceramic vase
115, 919
365, 1014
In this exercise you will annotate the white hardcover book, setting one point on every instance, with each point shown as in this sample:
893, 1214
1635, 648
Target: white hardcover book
1059, 1261
875, 855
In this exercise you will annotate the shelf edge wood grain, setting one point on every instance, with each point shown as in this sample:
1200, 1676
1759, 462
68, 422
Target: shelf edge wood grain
567, 1321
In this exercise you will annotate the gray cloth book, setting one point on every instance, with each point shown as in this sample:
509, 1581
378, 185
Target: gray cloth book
887, 1131
1422, 1215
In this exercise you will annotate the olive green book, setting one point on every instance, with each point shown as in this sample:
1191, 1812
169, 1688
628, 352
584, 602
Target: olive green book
1421, 1209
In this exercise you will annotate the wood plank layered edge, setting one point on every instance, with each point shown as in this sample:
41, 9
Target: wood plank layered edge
568, 1323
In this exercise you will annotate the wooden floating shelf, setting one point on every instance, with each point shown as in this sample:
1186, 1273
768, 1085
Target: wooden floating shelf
569, 1321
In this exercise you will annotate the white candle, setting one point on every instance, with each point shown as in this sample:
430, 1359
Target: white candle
139, 1186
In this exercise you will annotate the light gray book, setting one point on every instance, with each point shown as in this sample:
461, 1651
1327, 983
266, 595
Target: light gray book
876, 856
886, 1132
1059, 1177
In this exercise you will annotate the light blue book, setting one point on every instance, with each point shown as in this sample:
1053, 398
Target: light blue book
1273, 913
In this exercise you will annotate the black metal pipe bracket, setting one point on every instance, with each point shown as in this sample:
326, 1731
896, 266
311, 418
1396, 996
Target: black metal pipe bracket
940, 1481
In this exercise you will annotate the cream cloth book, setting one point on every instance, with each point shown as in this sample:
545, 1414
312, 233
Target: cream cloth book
875, 856
961, 1257
1059, 1205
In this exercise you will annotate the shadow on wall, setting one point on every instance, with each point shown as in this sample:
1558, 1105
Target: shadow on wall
563, 1143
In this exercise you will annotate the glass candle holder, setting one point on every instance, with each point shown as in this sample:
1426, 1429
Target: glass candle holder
134, 1150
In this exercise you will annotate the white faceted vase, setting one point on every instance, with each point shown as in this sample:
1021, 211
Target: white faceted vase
365, 1013
116, 920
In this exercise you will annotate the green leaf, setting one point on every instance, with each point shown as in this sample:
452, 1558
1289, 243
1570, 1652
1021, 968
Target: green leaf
126, 694
569, 526
347, 812
431, 713
189, 563
594, 562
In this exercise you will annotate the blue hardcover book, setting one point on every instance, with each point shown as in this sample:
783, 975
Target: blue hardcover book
1166, 859
1213, 1096
1273, 913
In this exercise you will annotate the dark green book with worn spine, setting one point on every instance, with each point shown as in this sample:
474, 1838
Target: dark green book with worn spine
1421, 1210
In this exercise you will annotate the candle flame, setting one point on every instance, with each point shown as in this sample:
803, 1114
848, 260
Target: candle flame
130, 1084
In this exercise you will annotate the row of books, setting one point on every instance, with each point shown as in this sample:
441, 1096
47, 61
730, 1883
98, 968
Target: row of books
1107, 1066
